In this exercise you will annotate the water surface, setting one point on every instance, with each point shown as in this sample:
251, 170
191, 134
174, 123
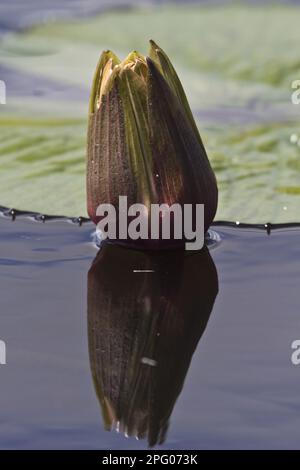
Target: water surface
64, 319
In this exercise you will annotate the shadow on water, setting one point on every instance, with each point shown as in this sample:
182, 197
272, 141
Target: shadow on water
146, 314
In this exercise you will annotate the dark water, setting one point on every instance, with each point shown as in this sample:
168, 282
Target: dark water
123, 341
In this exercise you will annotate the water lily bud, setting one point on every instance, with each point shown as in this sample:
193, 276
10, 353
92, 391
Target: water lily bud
143, 142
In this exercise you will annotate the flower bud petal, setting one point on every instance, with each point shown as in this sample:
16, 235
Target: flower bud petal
169, 73
107, 61
185, 175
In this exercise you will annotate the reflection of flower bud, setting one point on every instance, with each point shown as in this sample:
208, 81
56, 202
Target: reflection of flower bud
143, 329
143, 142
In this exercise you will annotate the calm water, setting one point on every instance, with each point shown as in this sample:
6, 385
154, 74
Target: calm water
86, 333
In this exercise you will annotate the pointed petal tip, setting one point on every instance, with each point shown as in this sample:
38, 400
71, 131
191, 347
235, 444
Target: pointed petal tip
153, 44
153, 49
108, 54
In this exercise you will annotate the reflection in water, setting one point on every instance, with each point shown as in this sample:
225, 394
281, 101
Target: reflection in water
143, 329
